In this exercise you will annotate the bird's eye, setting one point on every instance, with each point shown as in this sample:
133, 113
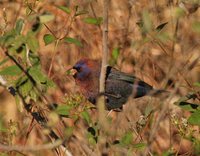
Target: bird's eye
78, 68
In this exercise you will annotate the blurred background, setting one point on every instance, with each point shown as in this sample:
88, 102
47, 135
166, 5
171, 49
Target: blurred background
157, 41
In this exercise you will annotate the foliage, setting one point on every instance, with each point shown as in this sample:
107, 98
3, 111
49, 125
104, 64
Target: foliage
47, 37
192, 107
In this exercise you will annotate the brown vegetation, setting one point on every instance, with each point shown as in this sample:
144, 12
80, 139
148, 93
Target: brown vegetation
166, 58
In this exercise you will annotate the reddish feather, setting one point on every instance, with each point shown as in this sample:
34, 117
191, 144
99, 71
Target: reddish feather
119, 85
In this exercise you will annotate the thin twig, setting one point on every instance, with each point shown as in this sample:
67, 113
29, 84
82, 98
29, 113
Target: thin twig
45, 100
125, 35
31, 125
163, 111
159, 44
94, 14
39, 117
41, 120
101, 100
27, 56
30, 148
17, 13
53, 58
175, 36
50, 30
70, 24
105, 47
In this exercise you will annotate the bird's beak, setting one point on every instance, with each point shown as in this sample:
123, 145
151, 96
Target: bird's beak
71, 71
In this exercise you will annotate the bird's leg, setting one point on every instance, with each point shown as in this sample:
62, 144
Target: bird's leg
116, 110
109, 113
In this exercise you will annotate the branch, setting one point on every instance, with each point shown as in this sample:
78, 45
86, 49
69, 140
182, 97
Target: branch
39, 117
105, 47
3, 82
44, 99
30, 148
101, 101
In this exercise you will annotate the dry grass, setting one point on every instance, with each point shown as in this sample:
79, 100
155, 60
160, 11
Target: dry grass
165, 62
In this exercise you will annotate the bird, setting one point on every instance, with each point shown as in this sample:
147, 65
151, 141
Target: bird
119, 86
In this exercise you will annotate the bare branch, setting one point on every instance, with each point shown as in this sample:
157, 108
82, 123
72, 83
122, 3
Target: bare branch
105, 47
41, 120
30, 148
101, 100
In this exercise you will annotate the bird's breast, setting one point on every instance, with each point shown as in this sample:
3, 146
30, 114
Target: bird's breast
89, 89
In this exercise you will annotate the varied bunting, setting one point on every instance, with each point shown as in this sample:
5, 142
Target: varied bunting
118, 88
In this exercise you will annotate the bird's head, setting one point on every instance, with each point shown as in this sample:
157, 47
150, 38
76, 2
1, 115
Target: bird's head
84, 68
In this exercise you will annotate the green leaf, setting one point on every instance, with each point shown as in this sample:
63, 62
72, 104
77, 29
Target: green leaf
188, 106
63, 110
29, 10
34, 58
68, 132
92, 140
182, 102
26, 88
148, 110
48, 38
169, 152
95, 21
3, 61
127, 139
3, 154
65, 9
19, 40
21, 80
163, 36
19, 103
82, 12
73, 40
92, 136
187, 97
37, 75
46, 18
196, 145
178, 12
161, 26
196, 26
197, 84
194, 119
50, 83
32, 42
69, 72
115, 53
147, 23
2, 127
11, 71
8, 38
19, 25
33, 95
139, 145
85, 115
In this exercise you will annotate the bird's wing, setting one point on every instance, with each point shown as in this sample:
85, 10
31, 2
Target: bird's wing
115, 74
